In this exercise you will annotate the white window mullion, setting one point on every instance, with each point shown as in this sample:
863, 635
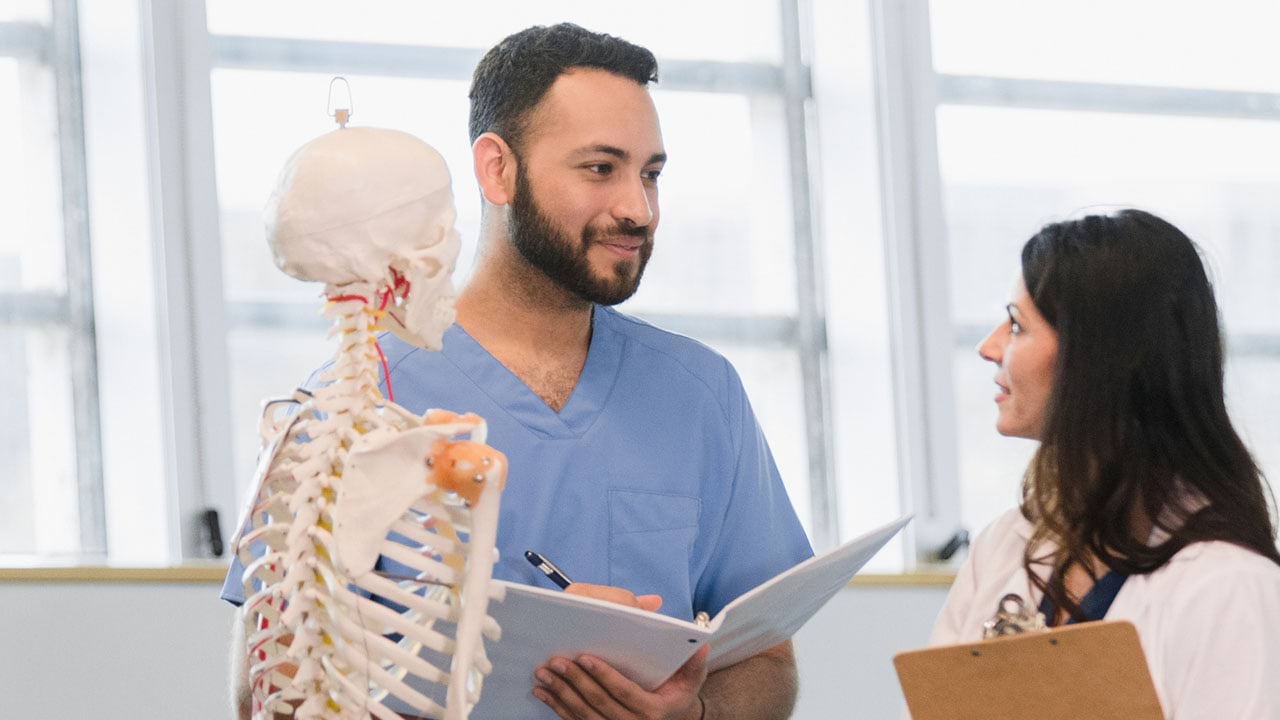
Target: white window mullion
915, 237
824, 505
187, 218
1106, 97
335, 57
65, 57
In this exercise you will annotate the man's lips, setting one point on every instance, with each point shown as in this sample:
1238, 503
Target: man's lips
1003, 394
627, 247
624, 243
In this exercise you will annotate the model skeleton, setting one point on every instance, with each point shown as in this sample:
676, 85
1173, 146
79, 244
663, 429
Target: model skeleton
370, 214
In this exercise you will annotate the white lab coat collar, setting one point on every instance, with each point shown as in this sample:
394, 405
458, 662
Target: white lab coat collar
1193, 500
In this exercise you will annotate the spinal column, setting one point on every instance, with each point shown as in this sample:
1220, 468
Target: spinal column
346, 476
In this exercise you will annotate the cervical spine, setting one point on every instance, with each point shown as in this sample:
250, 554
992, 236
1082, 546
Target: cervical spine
335, 477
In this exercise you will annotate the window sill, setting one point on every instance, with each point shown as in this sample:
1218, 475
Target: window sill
212, 573
910, 579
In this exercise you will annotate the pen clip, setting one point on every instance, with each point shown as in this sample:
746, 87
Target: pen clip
548, 568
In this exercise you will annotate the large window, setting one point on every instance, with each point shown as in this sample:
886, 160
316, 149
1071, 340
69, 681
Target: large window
850, 181
51, 488
95, 354
145, 320
734, 264
1168, 107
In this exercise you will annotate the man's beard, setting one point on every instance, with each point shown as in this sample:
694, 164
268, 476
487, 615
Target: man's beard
564, 260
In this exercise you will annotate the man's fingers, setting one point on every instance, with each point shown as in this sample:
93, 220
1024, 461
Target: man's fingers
603, 592
615, 595
556, 706
690, 676
578, 692
628, 694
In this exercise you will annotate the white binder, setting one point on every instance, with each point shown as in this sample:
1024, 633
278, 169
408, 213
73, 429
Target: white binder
647, 647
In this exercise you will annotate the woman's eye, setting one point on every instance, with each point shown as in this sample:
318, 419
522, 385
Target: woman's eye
1014, 327
652, 175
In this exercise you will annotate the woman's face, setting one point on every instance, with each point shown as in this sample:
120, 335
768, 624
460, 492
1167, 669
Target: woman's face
1024, 349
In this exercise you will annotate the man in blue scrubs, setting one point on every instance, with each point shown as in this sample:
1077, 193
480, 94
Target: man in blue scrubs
637, 464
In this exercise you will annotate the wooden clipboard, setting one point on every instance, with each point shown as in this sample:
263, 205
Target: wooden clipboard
1092, 670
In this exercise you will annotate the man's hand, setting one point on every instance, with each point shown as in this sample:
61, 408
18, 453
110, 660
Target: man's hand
589, 689
615, 595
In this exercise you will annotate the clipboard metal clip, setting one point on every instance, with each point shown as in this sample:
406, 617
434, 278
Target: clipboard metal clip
1013, 617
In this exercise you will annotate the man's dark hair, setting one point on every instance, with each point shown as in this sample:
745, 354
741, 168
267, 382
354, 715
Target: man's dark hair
513, 77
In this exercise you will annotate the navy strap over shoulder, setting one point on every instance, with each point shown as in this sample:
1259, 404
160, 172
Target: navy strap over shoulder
1096, 602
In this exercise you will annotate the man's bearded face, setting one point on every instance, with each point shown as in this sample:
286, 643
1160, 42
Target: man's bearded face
566, 259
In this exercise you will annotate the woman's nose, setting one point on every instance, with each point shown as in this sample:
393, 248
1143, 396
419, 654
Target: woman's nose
992, 346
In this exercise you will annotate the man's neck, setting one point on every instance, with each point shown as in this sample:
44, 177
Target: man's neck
513, 309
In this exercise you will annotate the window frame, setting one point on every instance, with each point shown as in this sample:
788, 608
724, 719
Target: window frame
916, 249
789, 80
913, 91
185, 216
57, 46
180, 54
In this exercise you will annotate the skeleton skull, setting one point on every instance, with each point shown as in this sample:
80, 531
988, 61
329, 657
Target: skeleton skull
366, 207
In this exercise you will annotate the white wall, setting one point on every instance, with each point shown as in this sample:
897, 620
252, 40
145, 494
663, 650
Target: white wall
113, 652
846, 652
122, 652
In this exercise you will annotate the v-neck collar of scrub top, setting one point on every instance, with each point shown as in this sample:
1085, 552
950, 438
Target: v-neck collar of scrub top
604, 358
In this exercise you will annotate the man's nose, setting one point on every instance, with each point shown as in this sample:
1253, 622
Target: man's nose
633, 206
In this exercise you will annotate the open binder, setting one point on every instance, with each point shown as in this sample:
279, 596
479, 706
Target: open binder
1092, 670
647, 647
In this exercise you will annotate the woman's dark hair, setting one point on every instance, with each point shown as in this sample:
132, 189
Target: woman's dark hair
513, 77
1136, 432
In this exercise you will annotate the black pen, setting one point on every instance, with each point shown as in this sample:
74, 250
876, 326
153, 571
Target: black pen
548, 568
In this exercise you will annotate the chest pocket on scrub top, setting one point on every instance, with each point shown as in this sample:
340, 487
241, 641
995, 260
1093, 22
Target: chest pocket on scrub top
650, 537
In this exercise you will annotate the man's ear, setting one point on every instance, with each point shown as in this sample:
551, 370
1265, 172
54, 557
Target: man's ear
495, 167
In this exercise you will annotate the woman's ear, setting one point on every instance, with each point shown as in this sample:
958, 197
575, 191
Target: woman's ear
495, 168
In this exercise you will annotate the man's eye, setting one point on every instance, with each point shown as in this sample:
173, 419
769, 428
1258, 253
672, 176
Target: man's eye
601, 168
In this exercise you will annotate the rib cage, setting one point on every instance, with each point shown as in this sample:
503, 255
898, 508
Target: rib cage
335, 477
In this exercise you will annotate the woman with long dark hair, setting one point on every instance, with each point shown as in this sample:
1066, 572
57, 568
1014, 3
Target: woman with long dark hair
1142, 503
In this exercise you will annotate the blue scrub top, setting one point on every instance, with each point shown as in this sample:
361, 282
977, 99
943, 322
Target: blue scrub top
654, 477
